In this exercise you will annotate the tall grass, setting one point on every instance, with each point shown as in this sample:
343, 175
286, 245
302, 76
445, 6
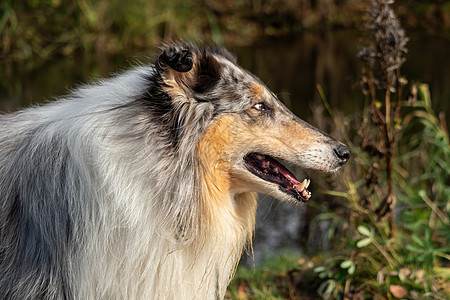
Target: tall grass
397, 227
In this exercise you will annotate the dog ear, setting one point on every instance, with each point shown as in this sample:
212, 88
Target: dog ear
208, 72
187, 68
179, 58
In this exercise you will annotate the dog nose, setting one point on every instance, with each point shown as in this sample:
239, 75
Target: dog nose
342, 152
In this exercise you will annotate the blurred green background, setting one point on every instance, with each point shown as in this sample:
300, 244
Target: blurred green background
43, 28
85, 39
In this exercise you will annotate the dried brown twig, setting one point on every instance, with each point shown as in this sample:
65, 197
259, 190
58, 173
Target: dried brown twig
382, 80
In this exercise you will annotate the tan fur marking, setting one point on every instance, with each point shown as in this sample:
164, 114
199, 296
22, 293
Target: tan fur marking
179, 82
257, 91
214, 150
211, 150
299, 133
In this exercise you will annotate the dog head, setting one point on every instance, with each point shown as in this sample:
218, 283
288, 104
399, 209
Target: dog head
241, 128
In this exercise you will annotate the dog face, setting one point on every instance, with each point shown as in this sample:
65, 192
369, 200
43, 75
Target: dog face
246, 129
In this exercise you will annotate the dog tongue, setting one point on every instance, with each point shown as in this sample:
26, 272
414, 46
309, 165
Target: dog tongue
272, 164
289, 176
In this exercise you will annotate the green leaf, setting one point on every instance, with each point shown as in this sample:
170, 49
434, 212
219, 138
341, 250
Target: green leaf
419, 241
363, 243
422, 193
427, 234
423, 257
319, 269
364, 230
442, 271
327, 288
352, 268
443, 250
414, 248
346, 264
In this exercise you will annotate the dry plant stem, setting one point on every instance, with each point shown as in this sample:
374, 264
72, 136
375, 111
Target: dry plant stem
387, 100
384, 253
373, 94
384, 124
400, 85
383, 60
346, 289
436, 210
388, 155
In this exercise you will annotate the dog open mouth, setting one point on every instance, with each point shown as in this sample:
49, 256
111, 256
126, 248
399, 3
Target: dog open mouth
269, 169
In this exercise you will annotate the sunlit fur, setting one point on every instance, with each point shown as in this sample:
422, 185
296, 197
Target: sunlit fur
134, 187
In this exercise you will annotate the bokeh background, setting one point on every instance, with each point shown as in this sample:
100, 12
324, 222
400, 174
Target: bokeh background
306, 52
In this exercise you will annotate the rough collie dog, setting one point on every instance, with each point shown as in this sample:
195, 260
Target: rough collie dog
144, 186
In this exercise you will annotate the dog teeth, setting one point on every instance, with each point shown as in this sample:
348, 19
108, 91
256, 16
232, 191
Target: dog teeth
302, 185
309, 196
302, 189
306, 194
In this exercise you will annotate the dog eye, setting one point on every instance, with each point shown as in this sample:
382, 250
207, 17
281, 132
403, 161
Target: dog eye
260, 106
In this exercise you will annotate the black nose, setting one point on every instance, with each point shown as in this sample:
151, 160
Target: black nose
342, 152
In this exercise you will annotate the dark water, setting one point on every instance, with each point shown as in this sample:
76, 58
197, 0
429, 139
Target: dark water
291, 67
